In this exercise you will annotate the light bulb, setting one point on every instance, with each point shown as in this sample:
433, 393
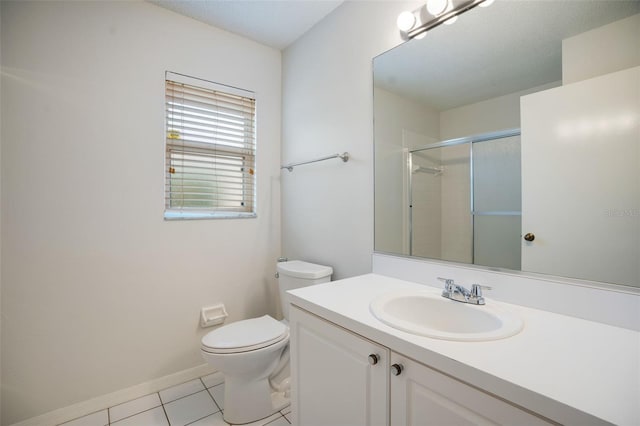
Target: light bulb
437, 7
406, 21
486, 3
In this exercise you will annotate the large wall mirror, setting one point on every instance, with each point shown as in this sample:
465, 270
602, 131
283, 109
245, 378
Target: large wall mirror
511, 139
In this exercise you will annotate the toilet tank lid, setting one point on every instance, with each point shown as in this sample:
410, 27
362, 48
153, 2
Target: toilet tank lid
300, 269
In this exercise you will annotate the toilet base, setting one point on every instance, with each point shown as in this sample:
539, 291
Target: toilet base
280, 400
255, 401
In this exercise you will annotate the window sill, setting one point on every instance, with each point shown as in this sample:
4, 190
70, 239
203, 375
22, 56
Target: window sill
184, 215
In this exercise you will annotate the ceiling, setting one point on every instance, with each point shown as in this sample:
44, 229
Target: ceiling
275, 23
508, 47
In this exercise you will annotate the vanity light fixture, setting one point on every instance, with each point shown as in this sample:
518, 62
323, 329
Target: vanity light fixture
433, 13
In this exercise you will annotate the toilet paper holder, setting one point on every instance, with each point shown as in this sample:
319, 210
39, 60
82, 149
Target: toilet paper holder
213, 315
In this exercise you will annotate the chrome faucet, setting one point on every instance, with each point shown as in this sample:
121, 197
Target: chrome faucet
458, 293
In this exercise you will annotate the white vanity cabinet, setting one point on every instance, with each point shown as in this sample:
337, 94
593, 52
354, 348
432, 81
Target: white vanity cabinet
338, 378
423, 396
341, 378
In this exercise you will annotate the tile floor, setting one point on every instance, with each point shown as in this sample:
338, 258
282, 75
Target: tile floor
199, 402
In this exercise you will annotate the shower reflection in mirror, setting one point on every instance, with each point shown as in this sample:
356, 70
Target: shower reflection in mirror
464, 195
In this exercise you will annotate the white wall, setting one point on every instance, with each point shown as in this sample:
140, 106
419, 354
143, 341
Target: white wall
491, 115
426, 205
327, 108
614, 45
98, 292
398, 119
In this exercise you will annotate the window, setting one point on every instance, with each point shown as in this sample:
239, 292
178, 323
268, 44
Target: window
210, 150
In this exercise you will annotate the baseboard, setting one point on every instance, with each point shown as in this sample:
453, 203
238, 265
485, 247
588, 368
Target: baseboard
80, 409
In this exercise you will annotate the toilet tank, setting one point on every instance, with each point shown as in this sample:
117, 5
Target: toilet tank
296, 274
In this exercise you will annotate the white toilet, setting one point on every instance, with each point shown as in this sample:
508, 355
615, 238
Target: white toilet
250, 353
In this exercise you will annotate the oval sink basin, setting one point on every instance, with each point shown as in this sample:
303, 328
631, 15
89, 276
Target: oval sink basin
430, 315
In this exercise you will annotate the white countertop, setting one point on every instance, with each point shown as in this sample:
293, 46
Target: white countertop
570, 370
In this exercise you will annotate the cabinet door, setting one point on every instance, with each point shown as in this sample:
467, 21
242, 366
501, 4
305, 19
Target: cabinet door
422, 396
332, 379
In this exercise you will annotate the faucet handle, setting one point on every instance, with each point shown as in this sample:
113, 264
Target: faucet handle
476, 290
449, 284
447, 281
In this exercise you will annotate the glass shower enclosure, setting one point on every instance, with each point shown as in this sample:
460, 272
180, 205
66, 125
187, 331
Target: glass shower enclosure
465, 200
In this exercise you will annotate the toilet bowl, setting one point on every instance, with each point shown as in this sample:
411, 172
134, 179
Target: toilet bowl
251, 352
247, 353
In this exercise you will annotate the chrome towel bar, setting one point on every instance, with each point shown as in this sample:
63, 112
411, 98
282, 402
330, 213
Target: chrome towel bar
344, 157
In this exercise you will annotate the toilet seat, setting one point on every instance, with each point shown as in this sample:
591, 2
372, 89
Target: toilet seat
246, 335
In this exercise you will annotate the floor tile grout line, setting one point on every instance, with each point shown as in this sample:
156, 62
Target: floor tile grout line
208, 387
186, 396
182, 397
208, 415
165, 411
86, 415
285, 416
135, 414
126, 402
277, 418
214, 400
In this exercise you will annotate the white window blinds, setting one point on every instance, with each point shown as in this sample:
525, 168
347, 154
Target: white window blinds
210, 150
